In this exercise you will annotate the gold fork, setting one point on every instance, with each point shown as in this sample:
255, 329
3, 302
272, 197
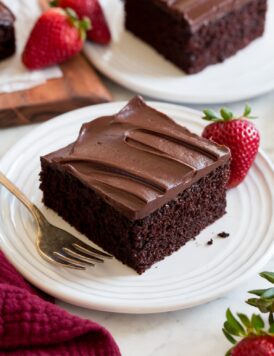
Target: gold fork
54, 244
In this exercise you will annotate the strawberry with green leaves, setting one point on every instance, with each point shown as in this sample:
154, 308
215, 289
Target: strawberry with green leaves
237, 133
99, 31
57, 35
256, 339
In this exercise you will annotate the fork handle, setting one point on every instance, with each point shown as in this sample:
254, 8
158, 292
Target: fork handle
21, 196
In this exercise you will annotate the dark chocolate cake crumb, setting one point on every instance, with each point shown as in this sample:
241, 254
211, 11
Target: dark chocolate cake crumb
223, 235
210, 242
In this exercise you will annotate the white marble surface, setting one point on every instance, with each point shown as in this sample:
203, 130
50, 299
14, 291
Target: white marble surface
193, 332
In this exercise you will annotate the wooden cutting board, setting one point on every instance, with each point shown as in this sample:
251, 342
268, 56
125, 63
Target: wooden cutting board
79, 86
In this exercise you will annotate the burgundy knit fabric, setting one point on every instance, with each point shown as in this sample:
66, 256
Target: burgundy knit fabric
29, 325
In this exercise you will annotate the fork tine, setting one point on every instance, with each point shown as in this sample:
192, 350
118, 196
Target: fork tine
82, 247
57, 261
82, 258
60, 263
71, 263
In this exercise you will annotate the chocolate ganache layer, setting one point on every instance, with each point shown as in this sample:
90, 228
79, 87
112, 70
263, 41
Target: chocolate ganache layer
139, 159
200, 12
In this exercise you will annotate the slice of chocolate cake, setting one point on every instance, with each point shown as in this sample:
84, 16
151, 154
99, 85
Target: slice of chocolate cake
137, 184
7, 33
196, 33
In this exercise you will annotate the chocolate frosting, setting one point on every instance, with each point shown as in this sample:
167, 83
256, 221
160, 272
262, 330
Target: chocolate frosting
200, 12
138, 159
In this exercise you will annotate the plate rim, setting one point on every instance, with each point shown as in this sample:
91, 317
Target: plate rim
127, 82
59, 294
171, 97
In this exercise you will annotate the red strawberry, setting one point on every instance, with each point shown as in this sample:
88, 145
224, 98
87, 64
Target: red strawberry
254, 346
57, 35
99, 31
238, 134
255, 340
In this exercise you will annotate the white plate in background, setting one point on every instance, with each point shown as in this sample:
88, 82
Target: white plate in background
137, 66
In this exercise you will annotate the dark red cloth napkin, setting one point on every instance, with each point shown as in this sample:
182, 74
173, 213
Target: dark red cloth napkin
30, 325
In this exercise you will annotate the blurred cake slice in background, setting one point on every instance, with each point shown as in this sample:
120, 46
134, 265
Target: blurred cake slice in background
7, 32
193, 34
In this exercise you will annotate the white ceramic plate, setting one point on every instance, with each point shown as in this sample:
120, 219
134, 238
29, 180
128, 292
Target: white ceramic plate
135, 65
196, 274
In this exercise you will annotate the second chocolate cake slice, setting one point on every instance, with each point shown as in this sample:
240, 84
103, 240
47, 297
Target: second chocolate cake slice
7, 32
196, 33
137, 184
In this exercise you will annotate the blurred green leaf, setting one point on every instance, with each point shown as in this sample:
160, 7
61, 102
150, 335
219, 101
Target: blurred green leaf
268, 276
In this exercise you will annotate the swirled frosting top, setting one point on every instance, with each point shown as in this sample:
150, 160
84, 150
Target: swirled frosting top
138, 159
199, 12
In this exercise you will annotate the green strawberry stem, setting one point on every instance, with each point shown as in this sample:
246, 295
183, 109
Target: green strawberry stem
226, 115
242, 326
83, 25
265, 300
53, 3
